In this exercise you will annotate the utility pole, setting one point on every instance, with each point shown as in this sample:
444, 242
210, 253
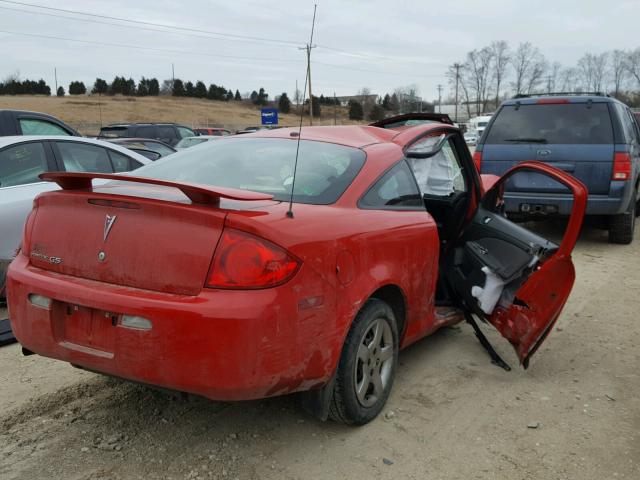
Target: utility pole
55, 75
335, 109
457, 67
308, 48
173, 76
439, 98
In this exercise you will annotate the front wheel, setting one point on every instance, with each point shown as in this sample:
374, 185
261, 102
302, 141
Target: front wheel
367, 366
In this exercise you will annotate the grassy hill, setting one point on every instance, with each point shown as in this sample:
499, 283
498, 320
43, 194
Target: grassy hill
87, 112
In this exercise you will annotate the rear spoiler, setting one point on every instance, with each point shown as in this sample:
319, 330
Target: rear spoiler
202, 194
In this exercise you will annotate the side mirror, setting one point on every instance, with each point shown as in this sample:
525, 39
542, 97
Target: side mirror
426, 147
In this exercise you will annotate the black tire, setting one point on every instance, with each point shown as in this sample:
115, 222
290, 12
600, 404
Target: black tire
347, 405
621, 226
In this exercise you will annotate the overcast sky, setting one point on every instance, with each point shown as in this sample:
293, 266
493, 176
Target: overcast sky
376, 44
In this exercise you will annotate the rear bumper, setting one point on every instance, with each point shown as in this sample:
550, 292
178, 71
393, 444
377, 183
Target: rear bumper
224, 345
561, 204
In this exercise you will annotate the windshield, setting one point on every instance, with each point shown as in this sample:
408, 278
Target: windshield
568, 123
325, 170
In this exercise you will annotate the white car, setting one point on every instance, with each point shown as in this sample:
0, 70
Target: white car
23, 158
193, 141
471, 138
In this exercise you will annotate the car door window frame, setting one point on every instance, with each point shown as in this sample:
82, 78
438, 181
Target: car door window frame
383, 178
19, 119
60, 160
49, 157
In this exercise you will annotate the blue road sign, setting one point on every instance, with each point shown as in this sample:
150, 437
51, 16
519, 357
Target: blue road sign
269, 116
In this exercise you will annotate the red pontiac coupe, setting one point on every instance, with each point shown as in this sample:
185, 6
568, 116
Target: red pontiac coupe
203, 273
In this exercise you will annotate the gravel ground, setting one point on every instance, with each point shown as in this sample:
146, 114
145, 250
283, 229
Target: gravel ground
451, 415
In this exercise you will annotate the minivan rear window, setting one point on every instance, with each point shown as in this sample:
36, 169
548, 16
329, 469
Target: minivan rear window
564, 123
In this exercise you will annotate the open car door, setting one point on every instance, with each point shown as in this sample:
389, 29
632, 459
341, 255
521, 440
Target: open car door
511, 277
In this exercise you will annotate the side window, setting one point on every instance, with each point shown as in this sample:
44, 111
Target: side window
396, 189
186, 132
146, 132
122, 163
166, 131
21, 164
633, 125
441, 174
79, 157
627, 126
32, 126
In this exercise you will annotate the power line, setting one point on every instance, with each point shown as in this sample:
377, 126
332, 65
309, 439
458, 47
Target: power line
161, 50
140, 22
134, 27
231, 57
200, 33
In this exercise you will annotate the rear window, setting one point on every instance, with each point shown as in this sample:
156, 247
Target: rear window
113, 132
574, 123
325, 170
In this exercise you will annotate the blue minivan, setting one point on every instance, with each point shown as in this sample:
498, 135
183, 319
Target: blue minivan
594, 137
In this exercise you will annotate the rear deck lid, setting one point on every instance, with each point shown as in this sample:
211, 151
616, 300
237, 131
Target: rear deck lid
576, 137
143, 236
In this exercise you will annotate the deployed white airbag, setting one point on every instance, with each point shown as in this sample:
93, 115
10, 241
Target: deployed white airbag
488, 295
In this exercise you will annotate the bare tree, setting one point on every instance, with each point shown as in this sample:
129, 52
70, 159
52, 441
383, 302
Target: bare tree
457, 72
570, 80
553, 77
478, 66
408, 98
633, 64
529, 66
618, 70
366, 100
501, 58
593, 69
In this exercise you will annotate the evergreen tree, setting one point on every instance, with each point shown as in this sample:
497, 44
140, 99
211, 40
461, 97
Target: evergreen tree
237, 96
254, 97
284, 104
128, 86
377, 112
386, 103
100, 86
60, 91
143, 87
229, 96
189, 89
200, 90
316, 107
178, 88
154, 87
77, 88
355, 110
394, 104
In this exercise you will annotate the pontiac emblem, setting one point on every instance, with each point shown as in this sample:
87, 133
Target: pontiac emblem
108, 223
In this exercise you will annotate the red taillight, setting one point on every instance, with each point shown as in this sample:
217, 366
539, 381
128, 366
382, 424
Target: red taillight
552, 101
621, 166
477, 159
243, 260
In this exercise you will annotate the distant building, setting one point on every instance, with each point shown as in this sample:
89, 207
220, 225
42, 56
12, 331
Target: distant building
344, 100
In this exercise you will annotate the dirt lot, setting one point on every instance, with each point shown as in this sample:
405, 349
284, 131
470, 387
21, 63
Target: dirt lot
87, 112
452, 415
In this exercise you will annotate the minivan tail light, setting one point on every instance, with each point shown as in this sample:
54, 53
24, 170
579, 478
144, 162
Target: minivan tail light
477, 159
621, 166
244, 261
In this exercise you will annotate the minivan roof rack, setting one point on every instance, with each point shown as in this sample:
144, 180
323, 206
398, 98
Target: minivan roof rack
561, 94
